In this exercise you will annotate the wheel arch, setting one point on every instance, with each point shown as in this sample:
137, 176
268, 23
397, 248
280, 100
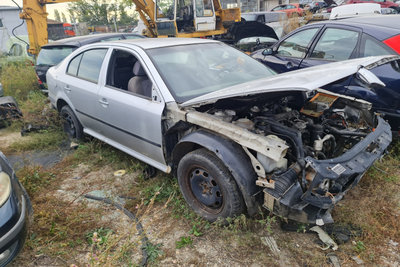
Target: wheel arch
60, 103
233, 157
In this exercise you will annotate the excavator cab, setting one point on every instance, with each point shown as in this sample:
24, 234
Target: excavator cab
184, 16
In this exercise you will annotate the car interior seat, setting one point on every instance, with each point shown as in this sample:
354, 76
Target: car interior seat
140, 83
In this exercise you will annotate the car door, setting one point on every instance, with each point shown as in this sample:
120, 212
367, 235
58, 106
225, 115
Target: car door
80, 84
204, 15
291, 51
334, 44
131, 121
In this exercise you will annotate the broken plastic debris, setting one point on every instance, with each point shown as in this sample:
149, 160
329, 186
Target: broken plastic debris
119, 173
358, 260
73, 145
328, 241
270, 242
333, 259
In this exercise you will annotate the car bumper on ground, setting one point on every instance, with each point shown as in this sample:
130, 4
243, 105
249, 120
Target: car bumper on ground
15, 214
329, 180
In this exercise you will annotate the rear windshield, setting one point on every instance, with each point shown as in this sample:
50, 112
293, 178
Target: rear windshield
53, 55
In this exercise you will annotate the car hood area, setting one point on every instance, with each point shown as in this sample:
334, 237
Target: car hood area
301, 80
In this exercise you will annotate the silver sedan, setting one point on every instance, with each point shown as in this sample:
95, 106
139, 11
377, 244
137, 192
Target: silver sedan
235, 134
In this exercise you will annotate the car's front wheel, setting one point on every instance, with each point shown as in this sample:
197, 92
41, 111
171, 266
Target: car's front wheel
71, 124
208, 187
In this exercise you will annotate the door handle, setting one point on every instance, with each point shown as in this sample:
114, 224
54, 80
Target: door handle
103, 101
67, 89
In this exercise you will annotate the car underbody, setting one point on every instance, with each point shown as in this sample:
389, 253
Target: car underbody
306, 149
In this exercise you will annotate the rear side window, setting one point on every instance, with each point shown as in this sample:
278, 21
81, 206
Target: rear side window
372, 47
88, 64
297, 44
53, 55
336, 44
74, 65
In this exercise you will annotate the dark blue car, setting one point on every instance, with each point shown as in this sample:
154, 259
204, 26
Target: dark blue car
337, 40
15, 211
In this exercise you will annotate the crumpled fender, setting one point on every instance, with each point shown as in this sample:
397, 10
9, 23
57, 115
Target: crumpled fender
231, 154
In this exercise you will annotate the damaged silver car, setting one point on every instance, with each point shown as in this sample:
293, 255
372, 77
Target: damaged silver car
236, 135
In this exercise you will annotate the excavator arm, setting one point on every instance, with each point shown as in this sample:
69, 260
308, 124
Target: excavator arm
35, 15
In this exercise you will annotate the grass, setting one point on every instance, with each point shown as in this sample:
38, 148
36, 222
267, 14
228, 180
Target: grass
18, 80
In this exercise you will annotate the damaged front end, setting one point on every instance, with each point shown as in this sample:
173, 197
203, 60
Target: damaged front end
307, 148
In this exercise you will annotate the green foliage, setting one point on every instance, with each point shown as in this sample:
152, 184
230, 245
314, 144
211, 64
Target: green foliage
99, 236
41, 140
57, 15
101, 12
153, 251
18, 80
34, 179
183, 242
359, 247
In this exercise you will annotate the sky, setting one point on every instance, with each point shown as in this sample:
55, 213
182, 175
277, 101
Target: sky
62, 7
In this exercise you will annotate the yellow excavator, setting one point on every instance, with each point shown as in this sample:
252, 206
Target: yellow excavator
35, 15
197, 18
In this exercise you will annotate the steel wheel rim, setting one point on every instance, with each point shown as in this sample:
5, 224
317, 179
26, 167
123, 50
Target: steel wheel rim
205, 190
69, 125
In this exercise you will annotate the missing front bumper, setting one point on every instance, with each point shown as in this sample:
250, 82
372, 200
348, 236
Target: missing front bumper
289, 200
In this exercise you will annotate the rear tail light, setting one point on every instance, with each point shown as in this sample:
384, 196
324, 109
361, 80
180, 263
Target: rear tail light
394, 43
39, 80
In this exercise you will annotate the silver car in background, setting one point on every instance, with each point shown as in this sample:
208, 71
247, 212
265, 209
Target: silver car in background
235, 134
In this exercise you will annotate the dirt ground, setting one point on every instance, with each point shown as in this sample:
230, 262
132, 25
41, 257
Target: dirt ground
174, 242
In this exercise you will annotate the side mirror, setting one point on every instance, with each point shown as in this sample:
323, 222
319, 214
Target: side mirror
268, 52
369, 78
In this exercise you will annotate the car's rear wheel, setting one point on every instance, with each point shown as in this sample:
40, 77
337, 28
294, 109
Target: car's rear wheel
208, 187
71, 124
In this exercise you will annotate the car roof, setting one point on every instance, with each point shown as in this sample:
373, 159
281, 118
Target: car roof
149, 43
87, 39
379, 26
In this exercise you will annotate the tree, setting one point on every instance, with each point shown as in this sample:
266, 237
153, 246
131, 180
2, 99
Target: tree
102, 12
57, 15
64, 19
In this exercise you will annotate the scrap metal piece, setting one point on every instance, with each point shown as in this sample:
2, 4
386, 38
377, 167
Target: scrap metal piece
333, 259
328, 241
9, 108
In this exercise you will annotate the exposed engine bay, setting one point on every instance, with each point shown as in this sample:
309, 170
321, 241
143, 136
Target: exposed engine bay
324, 127
317, 129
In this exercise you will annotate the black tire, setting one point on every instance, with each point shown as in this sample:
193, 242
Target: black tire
208, 187
72, 126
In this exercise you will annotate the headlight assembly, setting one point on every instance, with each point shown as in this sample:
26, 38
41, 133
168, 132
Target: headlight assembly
5, 187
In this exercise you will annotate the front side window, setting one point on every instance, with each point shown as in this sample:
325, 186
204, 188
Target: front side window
204, 8
165, 9
127, 73
297, 44
335, 45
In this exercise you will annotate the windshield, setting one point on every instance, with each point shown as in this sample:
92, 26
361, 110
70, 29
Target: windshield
190, 71
53, 55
